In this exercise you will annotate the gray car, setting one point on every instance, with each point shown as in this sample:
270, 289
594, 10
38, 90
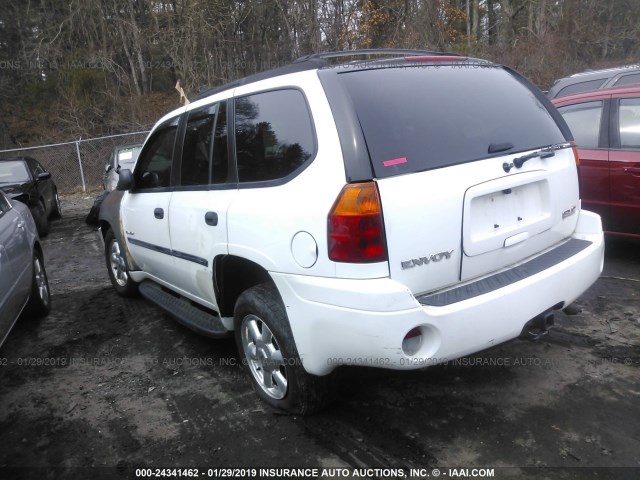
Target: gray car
124, 156
23, 281
594, 80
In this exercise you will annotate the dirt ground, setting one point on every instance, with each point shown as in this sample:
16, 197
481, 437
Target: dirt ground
104, 386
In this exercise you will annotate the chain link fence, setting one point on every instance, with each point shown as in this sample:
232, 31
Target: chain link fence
79, 165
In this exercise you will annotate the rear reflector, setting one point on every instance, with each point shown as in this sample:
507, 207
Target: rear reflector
355, 226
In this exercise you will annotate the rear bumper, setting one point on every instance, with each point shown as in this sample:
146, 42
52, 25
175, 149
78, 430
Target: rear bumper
364, 322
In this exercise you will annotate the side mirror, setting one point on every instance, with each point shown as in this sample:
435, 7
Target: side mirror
108, 168
125, 180
44, 176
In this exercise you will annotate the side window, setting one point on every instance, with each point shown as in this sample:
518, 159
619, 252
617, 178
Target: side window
581, 87
197, 148
32, 167
40, 169
584, 121
629, 122
154, 166
204, 154
274, 135
630, 79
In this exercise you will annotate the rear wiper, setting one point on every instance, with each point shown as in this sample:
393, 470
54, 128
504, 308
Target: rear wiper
520, 161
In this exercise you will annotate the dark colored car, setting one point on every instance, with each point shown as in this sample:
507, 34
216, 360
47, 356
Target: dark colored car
594, 80
26, 180
606, 127
23, 280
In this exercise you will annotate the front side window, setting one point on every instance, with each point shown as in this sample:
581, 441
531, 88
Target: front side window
154, 166
629, 122
584, 122
274, 135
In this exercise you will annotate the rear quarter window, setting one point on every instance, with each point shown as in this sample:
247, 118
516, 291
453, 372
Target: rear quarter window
428, 117
274, 135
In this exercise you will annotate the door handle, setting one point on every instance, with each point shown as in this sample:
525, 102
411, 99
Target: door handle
632, 171
158, 213
211, 218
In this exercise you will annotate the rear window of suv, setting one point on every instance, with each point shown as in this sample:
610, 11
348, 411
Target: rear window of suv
427, 117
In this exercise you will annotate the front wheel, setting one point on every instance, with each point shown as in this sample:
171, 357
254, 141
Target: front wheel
40, 218
39, 304
267, 347
117, 267
57, 206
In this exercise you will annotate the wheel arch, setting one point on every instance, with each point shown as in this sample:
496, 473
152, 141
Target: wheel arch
232, 275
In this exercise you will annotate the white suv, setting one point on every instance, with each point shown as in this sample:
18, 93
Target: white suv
395, 213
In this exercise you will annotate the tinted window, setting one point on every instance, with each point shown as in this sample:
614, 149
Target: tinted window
274, 135
629, 121
220, 169
198, 146
584, 121
581, 87
154, 166
422, 118
630, 79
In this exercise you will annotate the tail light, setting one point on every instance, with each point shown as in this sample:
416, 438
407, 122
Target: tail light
355, 226
574, 147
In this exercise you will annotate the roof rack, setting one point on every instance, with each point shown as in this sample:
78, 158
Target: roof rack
316, 60
371, 51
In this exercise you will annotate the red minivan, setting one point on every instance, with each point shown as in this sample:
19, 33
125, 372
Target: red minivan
606, 128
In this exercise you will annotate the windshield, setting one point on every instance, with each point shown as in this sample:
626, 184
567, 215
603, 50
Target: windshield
14, 172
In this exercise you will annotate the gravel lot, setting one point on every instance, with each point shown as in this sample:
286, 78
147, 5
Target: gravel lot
105, 385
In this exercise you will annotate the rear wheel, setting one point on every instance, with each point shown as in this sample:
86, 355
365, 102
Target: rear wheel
117, 267
39, 303
268, 349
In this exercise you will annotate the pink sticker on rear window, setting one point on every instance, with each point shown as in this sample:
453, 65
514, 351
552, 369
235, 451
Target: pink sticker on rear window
395, 161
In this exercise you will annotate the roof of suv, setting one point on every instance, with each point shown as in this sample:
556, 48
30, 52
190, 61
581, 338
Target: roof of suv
323, 60
595, 79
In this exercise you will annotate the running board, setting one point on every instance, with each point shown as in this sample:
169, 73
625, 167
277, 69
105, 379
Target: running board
183, 311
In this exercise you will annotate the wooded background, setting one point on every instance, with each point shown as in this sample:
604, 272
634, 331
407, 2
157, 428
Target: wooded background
82, 68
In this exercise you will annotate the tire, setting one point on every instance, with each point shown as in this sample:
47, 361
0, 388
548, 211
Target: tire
267, 348
40, 218
117, 267
39, 304
57, 206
